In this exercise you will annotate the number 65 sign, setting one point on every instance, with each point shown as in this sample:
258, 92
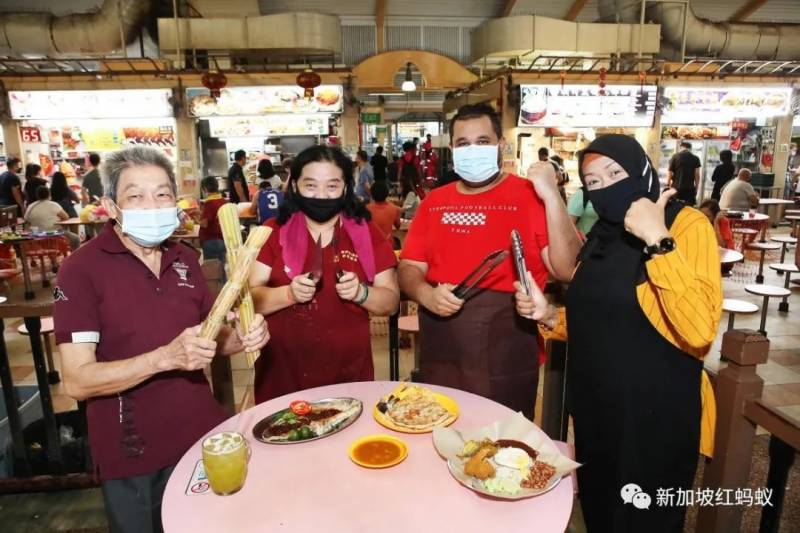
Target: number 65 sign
30, 134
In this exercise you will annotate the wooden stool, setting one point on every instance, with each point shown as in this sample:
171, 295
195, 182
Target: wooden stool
793, 219
767, 291
762, 247
46, 331
788, 269
785, 241
732, 307
744, 232
410, 324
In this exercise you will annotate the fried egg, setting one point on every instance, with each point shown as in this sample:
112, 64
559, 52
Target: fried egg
513, 458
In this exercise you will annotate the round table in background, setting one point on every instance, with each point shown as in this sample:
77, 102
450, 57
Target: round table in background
728, 257
314, 486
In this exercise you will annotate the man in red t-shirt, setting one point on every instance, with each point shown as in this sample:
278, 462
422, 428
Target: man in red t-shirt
479, 345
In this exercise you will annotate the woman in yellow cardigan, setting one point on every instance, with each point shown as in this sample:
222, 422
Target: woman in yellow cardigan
642, 311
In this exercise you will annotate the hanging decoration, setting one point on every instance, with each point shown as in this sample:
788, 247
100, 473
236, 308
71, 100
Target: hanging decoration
214, 81
642, 79
563, 77
603, 73
308, 80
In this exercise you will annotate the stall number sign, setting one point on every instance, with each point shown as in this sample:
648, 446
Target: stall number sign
30, 134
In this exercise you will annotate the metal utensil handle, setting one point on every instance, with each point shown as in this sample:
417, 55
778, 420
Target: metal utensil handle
494, 259
519, 261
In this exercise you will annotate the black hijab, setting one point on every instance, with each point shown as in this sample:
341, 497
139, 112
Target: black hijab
612, 202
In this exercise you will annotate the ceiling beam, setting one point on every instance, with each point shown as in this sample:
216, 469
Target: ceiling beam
380, 20
746, 10
508, 7
575, 9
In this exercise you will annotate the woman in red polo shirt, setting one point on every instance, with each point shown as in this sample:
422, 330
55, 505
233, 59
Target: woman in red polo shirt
323, 270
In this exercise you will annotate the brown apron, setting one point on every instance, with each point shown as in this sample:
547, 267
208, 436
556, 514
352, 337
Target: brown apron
486, 349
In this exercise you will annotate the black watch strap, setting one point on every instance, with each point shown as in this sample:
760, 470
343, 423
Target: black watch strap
663, 246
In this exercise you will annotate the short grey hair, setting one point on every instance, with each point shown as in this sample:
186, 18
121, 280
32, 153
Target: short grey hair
138, 156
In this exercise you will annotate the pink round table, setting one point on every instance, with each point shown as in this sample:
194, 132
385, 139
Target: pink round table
314, 486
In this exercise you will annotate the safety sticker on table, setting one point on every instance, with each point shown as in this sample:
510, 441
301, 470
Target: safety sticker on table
198, 484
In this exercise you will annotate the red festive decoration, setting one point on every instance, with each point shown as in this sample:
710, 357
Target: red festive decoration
214, 82
642, 77
603, 73
309, 80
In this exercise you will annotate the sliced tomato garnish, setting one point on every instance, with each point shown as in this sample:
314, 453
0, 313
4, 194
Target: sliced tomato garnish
300, 407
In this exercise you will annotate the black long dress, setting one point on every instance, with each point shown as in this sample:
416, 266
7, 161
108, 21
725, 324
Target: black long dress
634, 397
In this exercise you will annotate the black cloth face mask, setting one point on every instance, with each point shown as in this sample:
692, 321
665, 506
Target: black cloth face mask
613, 202
320, 209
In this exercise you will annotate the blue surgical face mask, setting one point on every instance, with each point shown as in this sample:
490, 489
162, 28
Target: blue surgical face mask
149, 227
476, 163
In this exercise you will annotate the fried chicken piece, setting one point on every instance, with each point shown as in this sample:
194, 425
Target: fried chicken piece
478, 466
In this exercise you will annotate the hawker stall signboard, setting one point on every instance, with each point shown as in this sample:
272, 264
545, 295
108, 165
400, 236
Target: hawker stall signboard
235, 101
585, 106
144, 103
269, 125
693, 105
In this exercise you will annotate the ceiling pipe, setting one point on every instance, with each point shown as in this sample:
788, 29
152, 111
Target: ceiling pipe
106, 30
682, 29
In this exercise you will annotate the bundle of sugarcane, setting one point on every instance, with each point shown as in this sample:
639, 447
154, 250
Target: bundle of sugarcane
229, 223
232, 290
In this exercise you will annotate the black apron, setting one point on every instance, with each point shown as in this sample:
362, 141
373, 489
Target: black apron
486, 349
634, 397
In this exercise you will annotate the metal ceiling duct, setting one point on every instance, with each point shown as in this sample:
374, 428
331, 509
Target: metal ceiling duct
725, 40
283, 33
110, 28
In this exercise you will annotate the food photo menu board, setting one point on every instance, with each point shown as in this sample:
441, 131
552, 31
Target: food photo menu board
719, 105
235, 101
140, 103
584, 106
269, 125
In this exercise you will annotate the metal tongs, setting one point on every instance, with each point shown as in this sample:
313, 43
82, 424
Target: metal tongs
465, 289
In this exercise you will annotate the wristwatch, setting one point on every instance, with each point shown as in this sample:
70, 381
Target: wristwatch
663, 246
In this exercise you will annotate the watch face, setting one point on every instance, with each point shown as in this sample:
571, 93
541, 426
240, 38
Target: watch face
667, 244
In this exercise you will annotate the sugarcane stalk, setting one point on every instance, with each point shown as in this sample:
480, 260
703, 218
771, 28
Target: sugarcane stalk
232, 290
229, 223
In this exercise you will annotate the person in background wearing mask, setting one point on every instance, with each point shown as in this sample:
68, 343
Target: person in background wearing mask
642, 310
480, 345
33, 180
323, 271
237, 183
684, 174
723, 173
11, 186
130, 344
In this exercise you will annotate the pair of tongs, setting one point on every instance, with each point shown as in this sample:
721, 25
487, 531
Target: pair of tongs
465, 289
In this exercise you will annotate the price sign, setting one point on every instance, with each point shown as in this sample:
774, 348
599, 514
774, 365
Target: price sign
30, 134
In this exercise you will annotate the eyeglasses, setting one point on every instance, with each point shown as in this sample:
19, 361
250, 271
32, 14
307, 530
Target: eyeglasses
132, 443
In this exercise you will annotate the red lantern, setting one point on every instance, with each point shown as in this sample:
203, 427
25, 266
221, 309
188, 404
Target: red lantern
602, 84
214, 81
308, 80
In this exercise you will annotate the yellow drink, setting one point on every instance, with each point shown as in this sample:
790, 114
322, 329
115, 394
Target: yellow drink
225, 459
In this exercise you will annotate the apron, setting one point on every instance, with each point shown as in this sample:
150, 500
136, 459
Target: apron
486, 349
634, 397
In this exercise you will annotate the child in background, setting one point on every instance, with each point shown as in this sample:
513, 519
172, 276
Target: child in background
267, 201
210, 232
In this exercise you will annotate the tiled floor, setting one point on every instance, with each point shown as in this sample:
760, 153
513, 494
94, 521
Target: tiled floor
781, 373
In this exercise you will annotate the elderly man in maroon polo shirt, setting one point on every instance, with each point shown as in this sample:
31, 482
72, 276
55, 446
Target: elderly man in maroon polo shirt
127, 311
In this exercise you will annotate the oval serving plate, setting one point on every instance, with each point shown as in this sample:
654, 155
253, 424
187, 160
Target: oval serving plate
258, 429
457, 471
